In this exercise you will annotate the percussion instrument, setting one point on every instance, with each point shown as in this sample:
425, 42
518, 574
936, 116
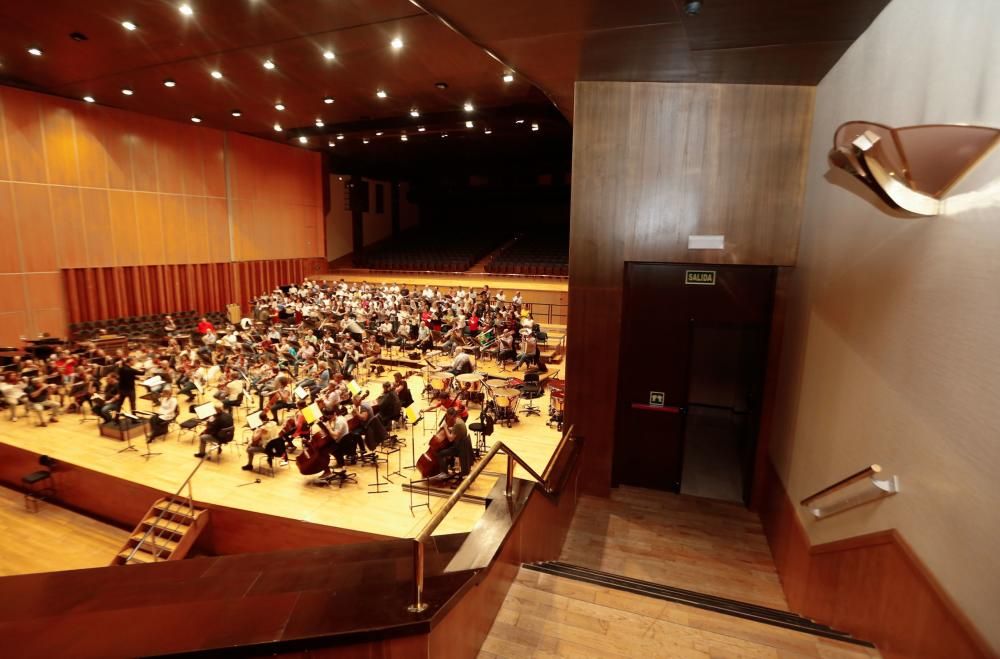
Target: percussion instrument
557, 403
505, 404
441, 380
471, 384
496, 383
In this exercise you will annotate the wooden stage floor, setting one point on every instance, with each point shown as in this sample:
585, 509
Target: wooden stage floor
288, 494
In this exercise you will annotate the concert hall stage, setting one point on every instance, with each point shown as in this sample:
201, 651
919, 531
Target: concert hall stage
283, 511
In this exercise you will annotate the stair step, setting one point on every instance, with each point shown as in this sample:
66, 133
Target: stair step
140, 556
178, 509
178, 528
745, 610
149, 541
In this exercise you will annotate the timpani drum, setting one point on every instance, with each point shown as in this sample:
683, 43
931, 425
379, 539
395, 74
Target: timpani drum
496, 383
505, 402
440, 381
471, 385
557, 403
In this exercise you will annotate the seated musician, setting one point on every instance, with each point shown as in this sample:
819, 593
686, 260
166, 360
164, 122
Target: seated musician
169, 326
462, 363
219, 422
110, 400
459, 445
296, 427
205, 327
425, 338
507, 346
342, 444
388, 405
447, 402
39, 397
454, 340
402, 389
529, 352
229, 394
163, 414
265, 440
12, 390
82, 389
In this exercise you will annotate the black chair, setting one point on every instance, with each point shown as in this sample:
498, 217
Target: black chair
39, 485
531, 390
224, 437
482, 429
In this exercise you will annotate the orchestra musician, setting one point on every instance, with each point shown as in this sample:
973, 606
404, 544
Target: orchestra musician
446, 402
459, 446
219, 422
13, 393
163, 414
265, 439
388, 405
462, 363
127, 374
110, 401
39, 398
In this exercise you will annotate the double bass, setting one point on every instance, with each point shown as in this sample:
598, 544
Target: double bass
315, 456
427, 463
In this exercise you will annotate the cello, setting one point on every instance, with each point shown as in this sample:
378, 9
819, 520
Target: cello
427, 464
315, 457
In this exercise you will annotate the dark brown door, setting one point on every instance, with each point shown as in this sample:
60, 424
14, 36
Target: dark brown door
660, 316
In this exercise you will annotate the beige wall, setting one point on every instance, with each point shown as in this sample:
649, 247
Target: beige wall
892, 344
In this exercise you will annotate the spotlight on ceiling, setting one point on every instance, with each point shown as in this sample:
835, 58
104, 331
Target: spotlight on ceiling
127, 91
444, 134
397, 44
331, 143
130, 26
279, 107
319, 123
196, 119
469, 124
441, 85
468, 107
519, 121
692, 7
364, 140
89, 99
378, 133
237, 113
329, 54
186, 10
169, 82
488, 131
77, 36
508, 77
328, 100
381, 93
421, 129
303, 139
277, 128
37, 52
269, 65
217, 75
404, 138
340, 136
414, 112
534, 128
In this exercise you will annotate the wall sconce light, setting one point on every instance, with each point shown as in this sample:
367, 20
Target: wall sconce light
860, 488
910, 168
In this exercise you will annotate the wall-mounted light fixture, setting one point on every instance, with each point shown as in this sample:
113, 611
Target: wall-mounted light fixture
859, 488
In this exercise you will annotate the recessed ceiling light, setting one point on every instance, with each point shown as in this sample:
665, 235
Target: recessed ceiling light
303, 139
269, 65
414, 112
378, 134
196, 119
89, 99
217, 75
186, 10
236, 113
468, 124
340, 137
468, 107
519, 121
488, 131
319, 123
421, 129
329, 54
77, 36
331, 143
130, 26
508, 77
397, 43
37, 52
328, 100
279, 107
381, 93
364, 140
441, 85
404, 138
444, 134
534, 127
277, 127
127, 91
169, 82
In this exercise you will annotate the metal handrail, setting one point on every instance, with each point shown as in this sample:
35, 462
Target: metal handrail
421, 538
159, 517
842, 483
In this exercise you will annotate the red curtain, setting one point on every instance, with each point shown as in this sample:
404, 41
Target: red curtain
118, 292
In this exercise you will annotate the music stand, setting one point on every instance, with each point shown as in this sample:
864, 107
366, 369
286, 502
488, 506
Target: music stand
145, 431
378, 479
128, 438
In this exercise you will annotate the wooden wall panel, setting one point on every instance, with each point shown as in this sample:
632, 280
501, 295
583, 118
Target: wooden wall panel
70, 234
652, 164
872, 586
34, 227
10, 255
12, 299
92, 188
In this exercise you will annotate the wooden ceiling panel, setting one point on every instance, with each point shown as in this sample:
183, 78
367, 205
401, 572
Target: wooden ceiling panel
785, 64
724, 24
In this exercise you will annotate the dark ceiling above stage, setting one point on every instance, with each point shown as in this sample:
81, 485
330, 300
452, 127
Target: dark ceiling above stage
549, 43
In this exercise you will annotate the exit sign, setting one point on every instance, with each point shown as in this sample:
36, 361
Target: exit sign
699, 277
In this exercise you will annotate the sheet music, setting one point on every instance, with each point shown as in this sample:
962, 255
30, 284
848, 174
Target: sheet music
354, 387
301, 393
205, 411
154, 381
311, 413
254, 421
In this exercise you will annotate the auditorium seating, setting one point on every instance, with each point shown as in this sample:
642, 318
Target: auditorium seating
134, 326
443, 251
534, 254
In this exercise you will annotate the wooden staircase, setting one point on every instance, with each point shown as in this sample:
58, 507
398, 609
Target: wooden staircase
166, 533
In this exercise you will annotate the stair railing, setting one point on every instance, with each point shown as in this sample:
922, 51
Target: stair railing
154, 532
545, 480
859, 488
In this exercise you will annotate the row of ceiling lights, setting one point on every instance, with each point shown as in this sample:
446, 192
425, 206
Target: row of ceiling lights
303, 139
